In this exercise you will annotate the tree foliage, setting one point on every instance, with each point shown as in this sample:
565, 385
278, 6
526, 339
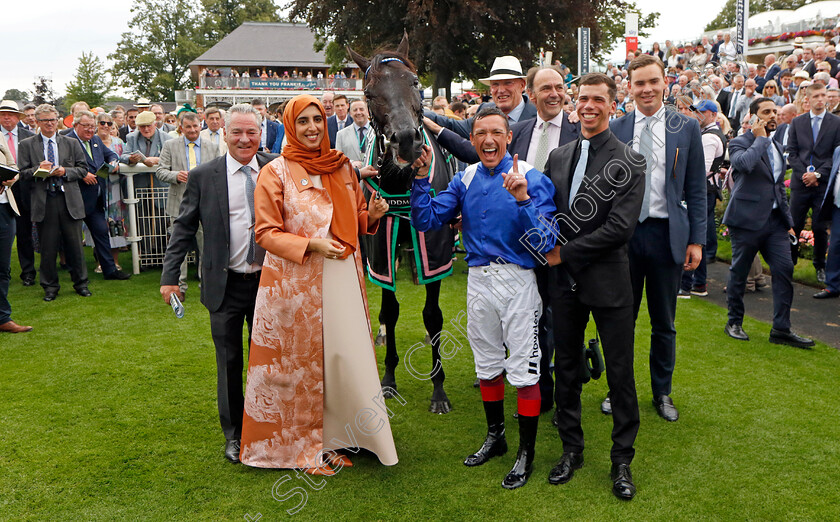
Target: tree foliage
91, 84
451, 40
726, 18
16, 94
221, 17
43, 92
152, 58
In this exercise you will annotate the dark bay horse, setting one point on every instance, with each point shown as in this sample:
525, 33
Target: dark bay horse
396, 111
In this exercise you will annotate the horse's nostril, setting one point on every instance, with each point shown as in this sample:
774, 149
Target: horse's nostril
394, 138
417, 133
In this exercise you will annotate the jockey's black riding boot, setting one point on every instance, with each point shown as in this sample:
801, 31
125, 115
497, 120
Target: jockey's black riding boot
523, 466
495, 443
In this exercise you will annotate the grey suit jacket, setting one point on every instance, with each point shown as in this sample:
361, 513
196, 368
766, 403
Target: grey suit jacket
131, 145
347, 141
206, 203
70, 156
173, 159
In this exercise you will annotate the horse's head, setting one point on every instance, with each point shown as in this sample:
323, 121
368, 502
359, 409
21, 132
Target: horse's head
393, 97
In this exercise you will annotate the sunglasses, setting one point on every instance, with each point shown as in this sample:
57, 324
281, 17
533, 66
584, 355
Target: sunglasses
108, 123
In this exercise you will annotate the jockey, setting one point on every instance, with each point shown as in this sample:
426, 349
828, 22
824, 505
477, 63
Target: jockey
500, 207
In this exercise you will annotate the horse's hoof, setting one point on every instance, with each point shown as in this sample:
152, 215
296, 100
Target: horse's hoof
427, 339
389, 391
440, 407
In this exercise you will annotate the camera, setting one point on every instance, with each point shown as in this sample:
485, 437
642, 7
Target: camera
115, 228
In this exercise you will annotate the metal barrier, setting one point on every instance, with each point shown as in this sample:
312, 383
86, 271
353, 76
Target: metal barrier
147, 218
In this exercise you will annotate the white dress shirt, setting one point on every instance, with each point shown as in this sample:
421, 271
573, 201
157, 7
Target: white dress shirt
240, 215
658, 201
819, 118
554, 128
54, 140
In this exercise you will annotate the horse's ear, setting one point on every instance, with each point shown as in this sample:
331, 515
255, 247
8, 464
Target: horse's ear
403, 48
360, 60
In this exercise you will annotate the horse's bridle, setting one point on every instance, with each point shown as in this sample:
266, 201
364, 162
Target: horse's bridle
380, 143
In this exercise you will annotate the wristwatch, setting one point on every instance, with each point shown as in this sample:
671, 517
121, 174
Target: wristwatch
817, 175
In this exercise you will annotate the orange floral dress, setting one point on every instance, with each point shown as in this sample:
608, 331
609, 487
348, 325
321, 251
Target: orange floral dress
312, 383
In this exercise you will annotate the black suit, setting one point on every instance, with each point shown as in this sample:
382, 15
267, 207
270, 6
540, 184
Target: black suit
755, 226
22, 191
802, 152
594, 276
57, 211
227, 296
522, 131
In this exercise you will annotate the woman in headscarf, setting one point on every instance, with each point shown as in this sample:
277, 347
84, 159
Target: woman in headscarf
313, 384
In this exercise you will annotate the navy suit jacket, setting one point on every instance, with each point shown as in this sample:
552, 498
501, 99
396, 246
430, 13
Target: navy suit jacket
755, 189
685, 178
828, 200
464, 127
271, 128
94, 195
773, 72
802, 151
332, 127
520, 142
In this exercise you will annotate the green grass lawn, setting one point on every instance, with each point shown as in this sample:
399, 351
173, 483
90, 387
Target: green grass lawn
108, 413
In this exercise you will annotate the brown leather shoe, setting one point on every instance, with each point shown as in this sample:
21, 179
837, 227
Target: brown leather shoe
12, 327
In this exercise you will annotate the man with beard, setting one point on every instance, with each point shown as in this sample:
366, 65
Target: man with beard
759, 220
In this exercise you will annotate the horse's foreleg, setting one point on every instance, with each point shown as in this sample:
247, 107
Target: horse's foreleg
433, 320
388, 315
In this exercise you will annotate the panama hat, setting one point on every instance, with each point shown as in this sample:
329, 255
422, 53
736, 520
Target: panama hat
143, 103
504, 68
9, 106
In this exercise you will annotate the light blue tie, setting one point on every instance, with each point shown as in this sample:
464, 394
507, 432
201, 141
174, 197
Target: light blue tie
250, 186
646, 150
815, 127
772, 158
580, 170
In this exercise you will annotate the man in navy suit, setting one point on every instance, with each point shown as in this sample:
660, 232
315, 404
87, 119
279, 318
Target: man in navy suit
269, 127
340, 119
93, 193
811, 141
670, 235
830, 212
506, 83
773, 68
759, 220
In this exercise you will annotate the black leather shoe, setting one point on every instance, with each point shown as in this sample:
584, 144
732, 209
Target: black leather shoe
606, 406
29, 281
118, 275
736, 332
522, 468
50, 296
826, 294
665, 408
232, 450
494, 445
84, 292
565, 469
789, 338
623, 487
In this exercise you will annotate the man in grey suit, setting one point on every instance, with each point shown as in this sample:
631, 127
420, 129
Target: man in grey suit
147, 140
759, 220
57, 205
178, 157
214, 199
354, 139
